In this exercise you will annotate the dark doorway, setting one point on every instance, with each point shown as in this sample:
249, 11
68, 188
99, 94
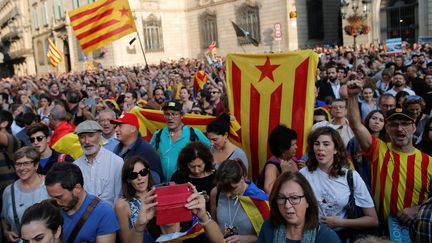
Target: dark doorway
66, 55
402, 20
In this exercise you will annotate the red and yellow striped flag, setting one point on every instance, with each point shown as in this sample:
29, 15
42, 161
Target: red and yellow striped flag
267, 90
152, 120
102, 22
200, 79
54, 54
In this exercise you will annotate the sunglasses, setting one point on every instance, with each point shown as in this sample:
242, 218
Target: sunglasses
38, 138
134, 175
214, 92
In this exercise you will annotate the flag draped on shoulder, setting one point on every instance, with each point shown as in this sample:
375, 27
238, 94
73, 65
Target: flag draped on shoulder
102, 22
54, 54
65, 141
267, 90
255, 203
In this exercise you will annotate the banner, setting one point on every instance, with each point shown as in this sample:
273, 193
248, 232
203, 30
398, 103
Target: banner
267, 90
394, 46
102, 22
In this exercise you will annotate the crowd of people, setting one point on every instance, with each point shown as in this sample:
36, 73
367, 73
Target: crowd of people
75, 168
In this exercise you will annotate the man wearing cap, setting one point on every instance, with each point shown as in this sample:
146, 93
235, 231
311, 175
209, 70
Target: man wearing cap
131, 143
100, 167
169, 141
401, 175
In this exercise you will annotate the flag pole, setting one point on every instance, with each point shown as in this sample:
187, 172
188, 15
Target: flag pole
142, 50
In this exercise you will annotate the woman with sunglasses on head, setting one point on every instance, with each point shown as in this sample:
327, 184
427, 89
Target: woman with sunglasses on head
326, 173
416, 104
294, 213
26, 191
42, 222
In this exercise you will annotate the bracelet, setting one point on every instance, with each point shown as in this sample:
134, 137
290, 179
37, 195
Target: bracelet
204, 224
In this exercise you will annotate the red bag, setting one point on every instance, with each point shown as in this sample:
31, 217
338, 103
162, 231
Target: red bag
171, 200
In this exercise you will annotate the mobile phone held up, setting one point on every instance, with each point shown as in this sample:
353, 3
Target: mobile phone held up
171, 200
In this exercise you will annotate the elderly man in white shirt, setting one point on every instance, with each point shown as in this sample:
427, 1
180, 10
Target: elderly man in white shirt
100, 167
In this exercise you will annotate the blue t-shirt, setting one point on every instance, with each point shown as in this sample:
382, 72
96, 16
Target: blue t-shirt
102, 221
43, 162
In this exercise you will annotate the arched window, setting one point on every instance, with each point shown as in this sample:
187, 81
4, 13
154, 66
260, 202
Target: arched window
248, 19
153, 41
315, 19
208, 29
40, 53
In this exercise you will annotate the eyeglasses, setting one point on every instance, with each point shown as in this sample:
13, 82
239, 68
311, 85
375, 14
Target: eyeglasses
134, 175
403, 124
294, 200
23, 164
414, 98
214, 92
38, 138
171, 115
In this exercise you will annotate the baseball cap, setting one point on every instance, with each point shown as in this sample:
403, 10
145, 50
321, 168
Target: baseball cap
127, 118
88, 126
399, 113
173, 105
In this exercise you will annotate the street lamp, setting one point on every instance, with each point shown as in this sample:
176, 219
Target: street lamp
357, 21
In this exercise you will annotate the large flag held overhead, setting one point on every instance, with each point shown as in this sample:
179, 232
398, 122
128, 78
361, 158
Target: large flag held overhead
102, 22
54, 54
267, 90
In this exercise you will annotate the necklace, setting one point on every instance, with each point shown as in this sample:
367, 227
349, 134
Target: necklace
231, 219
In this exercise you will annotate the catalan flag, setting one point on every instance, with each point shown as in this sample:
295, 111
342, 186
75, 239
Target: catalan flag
152, 120
54, 54
65, 141
200, 79
102, 22
267, 90
256, 206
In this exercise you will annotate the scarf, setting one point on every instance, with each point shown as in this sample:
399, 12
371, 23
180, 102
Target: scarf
279, 235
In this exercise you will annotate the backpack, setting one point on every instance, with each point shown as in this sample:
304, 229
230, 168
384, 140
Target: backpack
193, 137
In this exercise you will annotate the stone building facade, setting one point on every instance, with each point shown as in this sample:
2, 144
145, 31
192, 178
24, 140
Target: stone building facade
169, 29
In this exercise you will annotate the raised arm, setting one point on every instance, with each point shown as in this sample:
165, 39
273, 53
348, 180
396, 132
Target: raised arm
354, 87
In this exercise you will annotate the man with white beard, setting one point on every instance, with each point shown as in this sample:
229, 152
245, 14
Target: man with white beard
99, 166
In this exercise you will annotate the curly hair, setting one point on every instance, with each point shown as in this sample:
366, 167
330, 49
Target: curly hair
340, 158
192, 151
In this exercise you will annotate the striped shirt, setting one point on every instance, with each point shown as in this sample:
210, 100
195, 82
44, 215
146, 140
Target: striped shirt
399, 180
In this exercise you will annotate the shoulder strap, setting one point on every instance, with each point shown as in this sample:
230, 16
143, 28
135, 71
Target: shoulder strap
157, 139
15, 215
82, 220
193, 137
350, 184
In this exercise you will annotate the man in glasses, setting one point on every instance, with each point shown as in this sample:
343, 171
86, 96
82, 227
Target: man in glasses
100, 167
216, 100
401, 175
169, 141
39, 138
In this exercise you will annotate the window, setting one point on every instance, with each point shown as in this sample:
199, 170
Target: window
208, 29
153, 40
248, 19
35, 18
44, 13
40, 53
76, 4
315, 19
58, 9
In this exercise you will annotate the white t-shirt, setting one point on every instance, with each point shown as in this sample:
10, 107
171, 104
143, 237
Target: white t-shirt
332, 194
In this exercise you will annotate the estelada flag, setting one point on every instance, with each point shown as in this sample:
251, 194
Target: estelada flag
267, 90
200, 79
102, 22
54, 54
152, 120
